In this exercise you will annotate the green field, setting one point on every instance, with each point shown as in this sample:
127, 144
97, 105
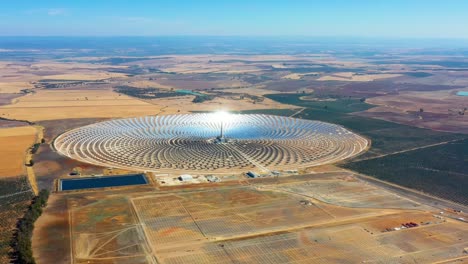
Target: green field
389, 139
439, 170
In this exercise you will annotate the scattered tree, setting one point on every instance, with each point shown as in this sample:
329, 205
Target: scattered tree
21, 242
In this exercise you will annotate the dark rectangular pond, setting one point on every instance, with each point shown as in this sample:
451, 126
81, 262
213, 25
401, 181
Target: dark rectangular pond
102, 182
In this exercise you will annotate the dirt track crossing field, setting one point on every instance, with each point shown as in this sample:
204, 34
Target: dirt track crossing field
314, 219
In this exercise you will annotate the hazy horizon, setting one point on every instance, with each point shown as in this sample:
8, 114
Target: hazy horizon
338, 18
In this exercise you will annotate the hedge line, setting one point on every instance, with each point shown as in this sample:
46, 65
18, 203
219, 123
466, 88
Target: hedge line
21, 242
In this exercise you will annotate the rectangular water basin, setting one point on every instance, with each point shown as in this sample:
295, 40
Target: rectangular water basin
102, 182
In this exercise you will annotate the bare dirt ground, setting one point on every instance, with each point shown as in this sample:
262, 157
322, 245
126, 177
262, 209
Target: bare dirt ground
14, 142
6, 99
49, 164
4, 123
316, 218
441, 110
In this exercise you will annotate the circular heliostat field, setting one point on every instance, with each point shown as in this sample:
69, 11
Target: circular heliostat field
213, 142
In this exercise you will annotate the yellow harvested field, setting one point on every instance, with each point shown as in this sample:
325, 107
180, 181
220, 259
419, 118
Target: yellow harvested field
65, 104
85, 75
68, 98
73, 66
351, 77
14, 87
185, 105
298, 76
17, 131
87, 112
148, 84
15, 141
210, 68
24, 73
292, 76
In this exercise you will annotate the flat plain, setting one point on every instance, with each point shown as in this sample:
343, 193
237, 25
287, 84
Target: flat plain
15, 142
318, 218
407, 105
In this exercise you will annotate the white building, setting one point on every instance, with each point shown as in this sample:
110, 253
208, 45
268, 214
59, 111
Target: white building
185, 177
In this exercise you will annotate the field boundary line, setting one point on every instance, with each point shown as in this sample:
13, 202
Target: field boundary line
408, 150
147, 237
410, 194
298, 112
13, 194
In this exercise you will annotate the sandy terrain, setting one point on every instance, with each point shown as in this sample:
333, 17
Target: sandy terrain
14, 142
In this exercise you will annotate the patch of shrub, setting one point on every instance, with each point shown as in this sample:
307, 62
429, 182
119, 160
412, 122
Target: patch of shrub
22, 239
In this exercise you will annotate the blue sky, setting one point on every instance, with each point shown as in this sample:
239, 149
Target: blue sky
361, 18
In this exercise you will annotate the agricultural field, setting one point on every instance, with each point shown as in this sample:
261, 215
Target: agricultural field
438, 110
405, 104
284, 221
69, 104
14, 143
14, 87
11, 209
352, 77
15, 190
104, 103
391, 143
424, 169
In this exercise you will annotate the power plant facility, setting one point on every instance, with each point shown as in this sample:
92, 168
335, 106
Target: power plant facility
215, 142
